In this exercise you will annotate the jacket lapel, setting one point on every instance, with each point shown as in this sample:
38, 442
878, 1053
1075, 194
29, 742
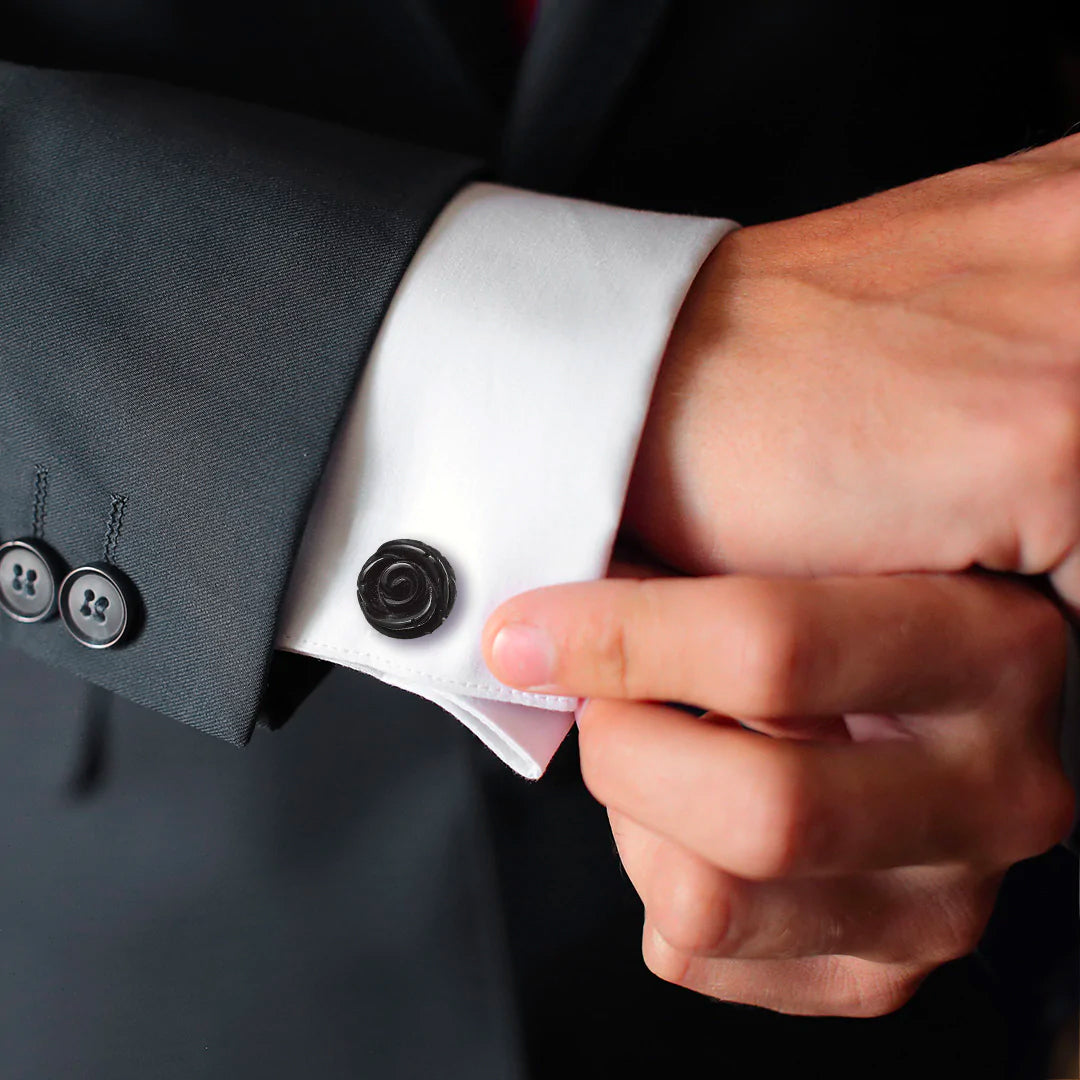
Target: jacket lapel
581, 58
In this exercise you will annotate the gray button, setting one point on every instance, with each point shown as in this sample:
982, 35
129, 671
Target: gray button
97, 605
28, 575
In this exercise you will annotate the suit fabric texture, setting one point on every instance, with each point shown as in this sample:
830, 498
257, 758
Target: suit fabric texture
204, 212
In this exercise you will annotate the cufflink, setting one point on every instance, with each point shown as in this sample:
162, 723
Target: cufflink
29, 571
99, 605
406, 589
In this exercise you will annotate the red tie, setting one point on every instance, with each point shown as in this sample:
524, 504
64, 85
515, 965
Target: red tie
522, 14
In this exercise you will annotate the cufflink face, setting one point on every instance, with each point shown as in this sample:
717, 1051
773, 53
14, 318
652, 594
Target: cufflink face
29, 571
406, 589
98, 605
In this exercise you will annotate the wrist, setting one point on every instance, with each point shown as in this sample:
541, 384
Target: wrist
667, 502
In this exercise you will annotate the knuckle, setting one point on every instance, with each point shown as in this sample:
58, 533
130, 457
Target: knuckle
1038, 810
1044, 633
1037, 450
774, 655
1058, 430
780, 827
1061, 814
1031, 662
692, 913
1046, 808
662, 960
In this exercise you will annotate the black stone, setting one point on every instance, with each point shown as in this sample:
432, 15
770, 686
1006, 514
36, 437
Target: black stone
406, 589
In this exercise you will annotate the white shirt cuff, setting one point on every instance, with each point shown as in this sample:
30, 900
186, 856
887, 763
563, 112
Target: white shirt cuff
497, 420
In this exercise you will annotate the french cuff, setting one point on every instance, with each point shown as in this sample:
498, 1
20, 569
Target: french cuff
497, 421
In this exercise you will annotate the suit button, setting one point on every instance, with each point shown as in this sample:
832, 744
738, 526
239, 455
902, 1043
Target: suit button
406, 589
29, 571
98, 605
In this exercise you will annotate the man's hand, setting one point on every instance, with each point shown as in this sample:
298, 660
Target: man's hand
891, 385
828, 871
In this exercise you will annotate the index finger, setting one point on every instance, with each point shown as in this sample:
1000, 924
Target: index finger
763, 808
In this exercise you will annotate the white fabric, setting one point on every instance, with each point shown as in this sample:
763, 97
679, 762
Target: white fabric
497, 419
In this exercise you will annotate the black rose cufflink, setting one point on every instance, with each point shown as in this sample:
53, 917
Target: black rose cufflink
406, 589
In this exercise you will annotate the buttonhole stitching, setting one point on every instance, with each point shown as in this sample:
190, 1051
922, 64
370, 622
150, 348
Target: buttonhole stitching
113, 527
41, 494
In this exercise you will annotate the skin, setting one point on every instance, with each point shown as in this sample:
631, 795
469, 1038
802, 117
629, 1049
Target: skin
886, 387
829, 868
890, 385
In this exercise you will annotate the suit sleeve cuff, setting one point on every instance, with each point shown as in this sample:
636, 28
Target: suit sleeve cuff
497, 420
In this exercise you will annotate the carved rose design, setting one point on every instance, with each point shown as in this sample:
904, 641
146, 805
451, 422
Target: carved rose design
406, 589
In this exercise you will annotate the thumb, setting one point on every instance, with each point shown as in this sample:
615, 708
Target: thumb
528, 662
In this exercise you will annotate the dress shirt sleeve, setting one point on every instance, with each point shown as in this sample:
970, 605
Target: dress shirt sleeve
497, 420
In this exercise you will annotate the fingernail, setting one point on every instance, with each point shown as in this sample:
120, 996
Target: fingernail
523, 656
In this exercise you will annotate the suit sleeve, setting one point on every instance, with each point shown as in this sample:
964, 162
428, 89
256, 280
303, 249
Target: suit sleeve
190, 287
